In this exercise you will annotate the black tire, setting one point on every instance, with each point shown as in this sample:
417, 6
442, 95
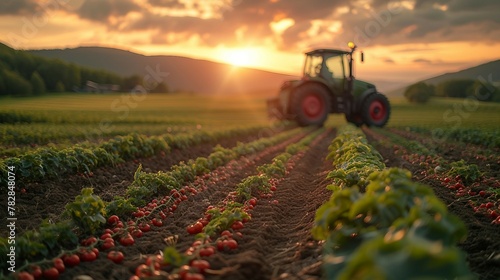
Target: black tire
376, 110
354, 118
310, 104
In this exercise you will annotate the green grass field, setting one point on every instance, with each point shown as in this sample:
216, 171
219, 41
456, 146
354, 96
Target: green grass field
67, 118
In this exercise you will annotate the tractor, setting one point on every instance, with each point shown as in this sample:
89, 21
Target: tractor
328, 86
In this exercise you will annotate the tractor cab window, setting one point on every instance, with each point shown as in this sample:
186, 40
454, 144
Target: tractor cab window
313, 65
335, 66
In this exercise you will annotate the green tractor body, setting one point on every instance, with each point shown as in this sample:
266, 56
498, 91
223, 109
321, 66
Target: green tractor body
328, 86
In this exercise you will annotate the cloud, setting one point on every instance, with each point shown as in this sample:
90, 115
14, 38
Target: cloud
244, 22
18, 7
389, 60
422, 61
101, 11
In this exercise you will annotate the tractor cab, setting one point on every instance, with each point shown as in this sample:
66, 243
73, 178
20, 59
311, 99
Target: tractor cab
328, 86
327, 66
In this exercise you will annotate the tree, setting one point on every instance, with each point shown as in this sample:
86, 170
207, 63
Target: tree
482, 91
131, 82
15, 84
59, 87
419, 92
37, 84
454, 88
160, 88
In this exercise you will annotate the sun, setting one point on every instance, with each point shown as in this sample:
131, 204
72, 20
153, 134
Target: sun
239, 57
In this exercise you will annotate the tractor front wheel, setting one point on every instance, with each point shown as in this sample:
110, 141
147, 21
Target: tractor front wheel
310, 104
376, 110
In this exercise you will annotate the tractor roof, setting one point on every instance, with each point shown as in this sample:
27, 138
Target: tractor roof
322, 51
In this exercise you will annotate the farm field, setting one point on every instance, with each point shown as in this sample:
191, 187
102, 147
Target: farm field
207, 188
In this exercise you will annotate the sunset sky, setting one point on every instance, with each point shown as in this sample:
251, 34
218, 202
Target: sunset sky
403, 41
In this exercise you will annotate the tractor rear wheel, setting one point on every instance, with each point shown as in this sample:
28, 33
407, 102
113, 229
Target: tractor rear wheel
376, 110
310, 104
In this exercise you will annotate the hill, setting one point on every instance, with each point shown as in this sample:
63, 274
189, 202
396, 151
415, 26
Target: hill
489, 71
180, 73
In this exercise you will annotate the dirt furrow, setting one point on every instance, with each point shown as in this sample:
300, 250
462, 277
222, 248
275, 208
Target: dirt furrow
487, 159
187, 213
47, 200
277, 241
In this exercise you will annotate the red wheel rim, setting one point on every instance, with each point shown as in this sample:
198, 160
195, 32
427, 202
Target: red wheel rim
377, 110
312, 106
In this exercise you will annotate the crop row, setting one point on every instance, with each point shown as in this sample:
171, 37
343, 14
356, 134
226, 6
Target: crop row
87, 214
49, 163
20, 137
219, 227
487, 138
380, 224
466, 180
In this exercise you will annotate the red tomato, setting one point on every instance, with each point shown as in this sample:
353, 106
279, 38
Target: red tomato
193, 276
113, 219
59, 265
207, 251
157, 222
145, 271
220, 245
237, 225
116, 256
252, 201
51, 273
145, 227
137, 233
127, 240
196, 228
25, 276
96, 251
232, 244
156, 261
108, 244
105, 235
88, 256
71, 260
201, 265
138, 214
36, 271
89, 241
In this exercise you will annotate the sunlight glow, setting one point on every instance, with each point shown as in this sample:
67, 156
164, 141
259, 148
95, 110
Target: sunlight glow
240, 57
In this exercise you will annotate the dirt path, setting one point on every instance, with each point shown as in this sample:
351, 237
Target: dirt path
277, 242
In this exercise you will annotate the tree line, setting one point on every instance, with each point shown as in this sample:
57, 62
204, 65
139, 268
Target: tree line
481, 90
25, 74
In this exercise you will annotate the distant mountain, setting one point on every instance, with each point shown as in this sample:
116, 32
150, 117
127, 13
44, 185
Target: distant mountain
489, 71
180, 73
